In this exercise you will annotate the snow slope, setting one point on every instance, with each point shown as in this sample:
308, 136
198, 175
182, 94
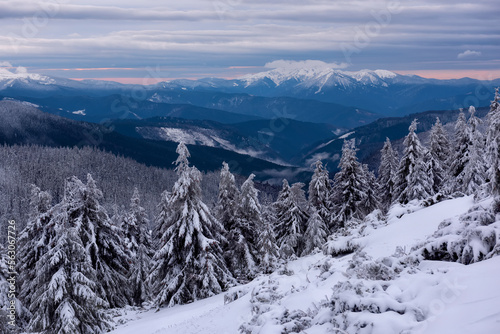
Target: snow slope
429, 297
410, 229
476, 308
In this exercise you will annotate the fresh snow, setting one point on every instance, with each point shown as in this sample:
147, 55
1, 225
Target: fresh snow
413, 228
384, 74
79, 112
344, 136
475, 308
185, 136
434, 298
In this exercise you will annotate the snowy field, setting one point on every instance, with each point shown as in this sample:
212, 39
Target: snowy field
318, 291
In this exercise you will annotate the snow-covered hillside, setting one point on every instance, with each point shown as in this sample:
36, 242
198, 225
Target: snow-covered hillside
384, 286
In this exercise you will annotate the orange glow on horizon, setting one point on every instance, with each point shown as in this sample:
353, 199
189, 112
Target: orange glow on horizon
240, 67
91, 69
146, 81
136, 81
431, 74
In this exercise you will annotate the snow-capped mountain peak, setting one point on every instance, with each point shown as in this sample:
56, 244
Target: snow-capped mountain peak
21, 73
318, 74
280, 75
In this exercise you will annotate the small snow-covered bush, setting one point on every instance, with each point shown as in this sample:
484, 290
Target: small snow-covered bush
267, 312
363, 267
439, 197
235, 294
340, 246
295, 321
398, 210
347, 240
467, 239
368, 307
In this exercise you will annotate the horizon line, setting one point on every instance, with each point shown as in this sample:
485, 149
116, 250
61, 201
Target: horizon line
482, 75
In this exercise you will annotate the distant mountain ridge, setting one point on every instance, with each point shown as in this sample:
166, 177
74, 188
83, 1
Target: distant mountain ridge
23, 124
379, 92
254, 138
100, 108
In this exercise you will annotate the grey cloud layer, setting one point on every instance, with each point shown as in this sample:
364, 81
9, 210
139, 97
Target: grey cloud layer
369, 30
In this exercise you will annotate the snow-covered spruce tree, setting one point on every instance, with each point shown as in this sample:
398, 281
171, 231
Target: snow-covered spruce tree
299, 197
350, 186
370, 202
386, 174
245, 235
66, 298
117, 216
475, 171
188, 265
161, 221
439, 143
228, 197
493, 149
33, 240
459, 156
138, 242
182, 162
319, 193
439, 150
102, 240
315, 234
435, 172
290, 219
412, 179
235, 247
266, 243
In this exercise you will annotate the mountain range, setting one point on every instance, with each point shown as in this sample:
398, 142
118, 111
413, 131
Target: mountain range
277, 121
377, 92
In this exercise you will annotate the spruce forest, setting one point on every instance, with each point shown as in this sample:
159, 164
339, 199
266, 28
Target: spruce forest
91, 240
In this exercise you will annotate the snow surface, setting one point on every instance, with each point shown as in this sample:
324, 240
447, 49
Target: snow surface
433, 298
344, 136
413, 228
79, 112
475, 308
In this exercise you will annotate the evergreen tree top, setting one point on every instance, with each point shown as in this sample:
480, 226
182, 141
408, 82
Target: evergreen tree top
182, 162
136, 198
413, 126
285, 185
496, 101
225, 167
318, 166
227, 185
474, 121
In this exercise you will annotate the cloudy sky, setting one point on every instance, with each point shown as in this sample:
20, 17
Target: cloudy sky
138, 41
